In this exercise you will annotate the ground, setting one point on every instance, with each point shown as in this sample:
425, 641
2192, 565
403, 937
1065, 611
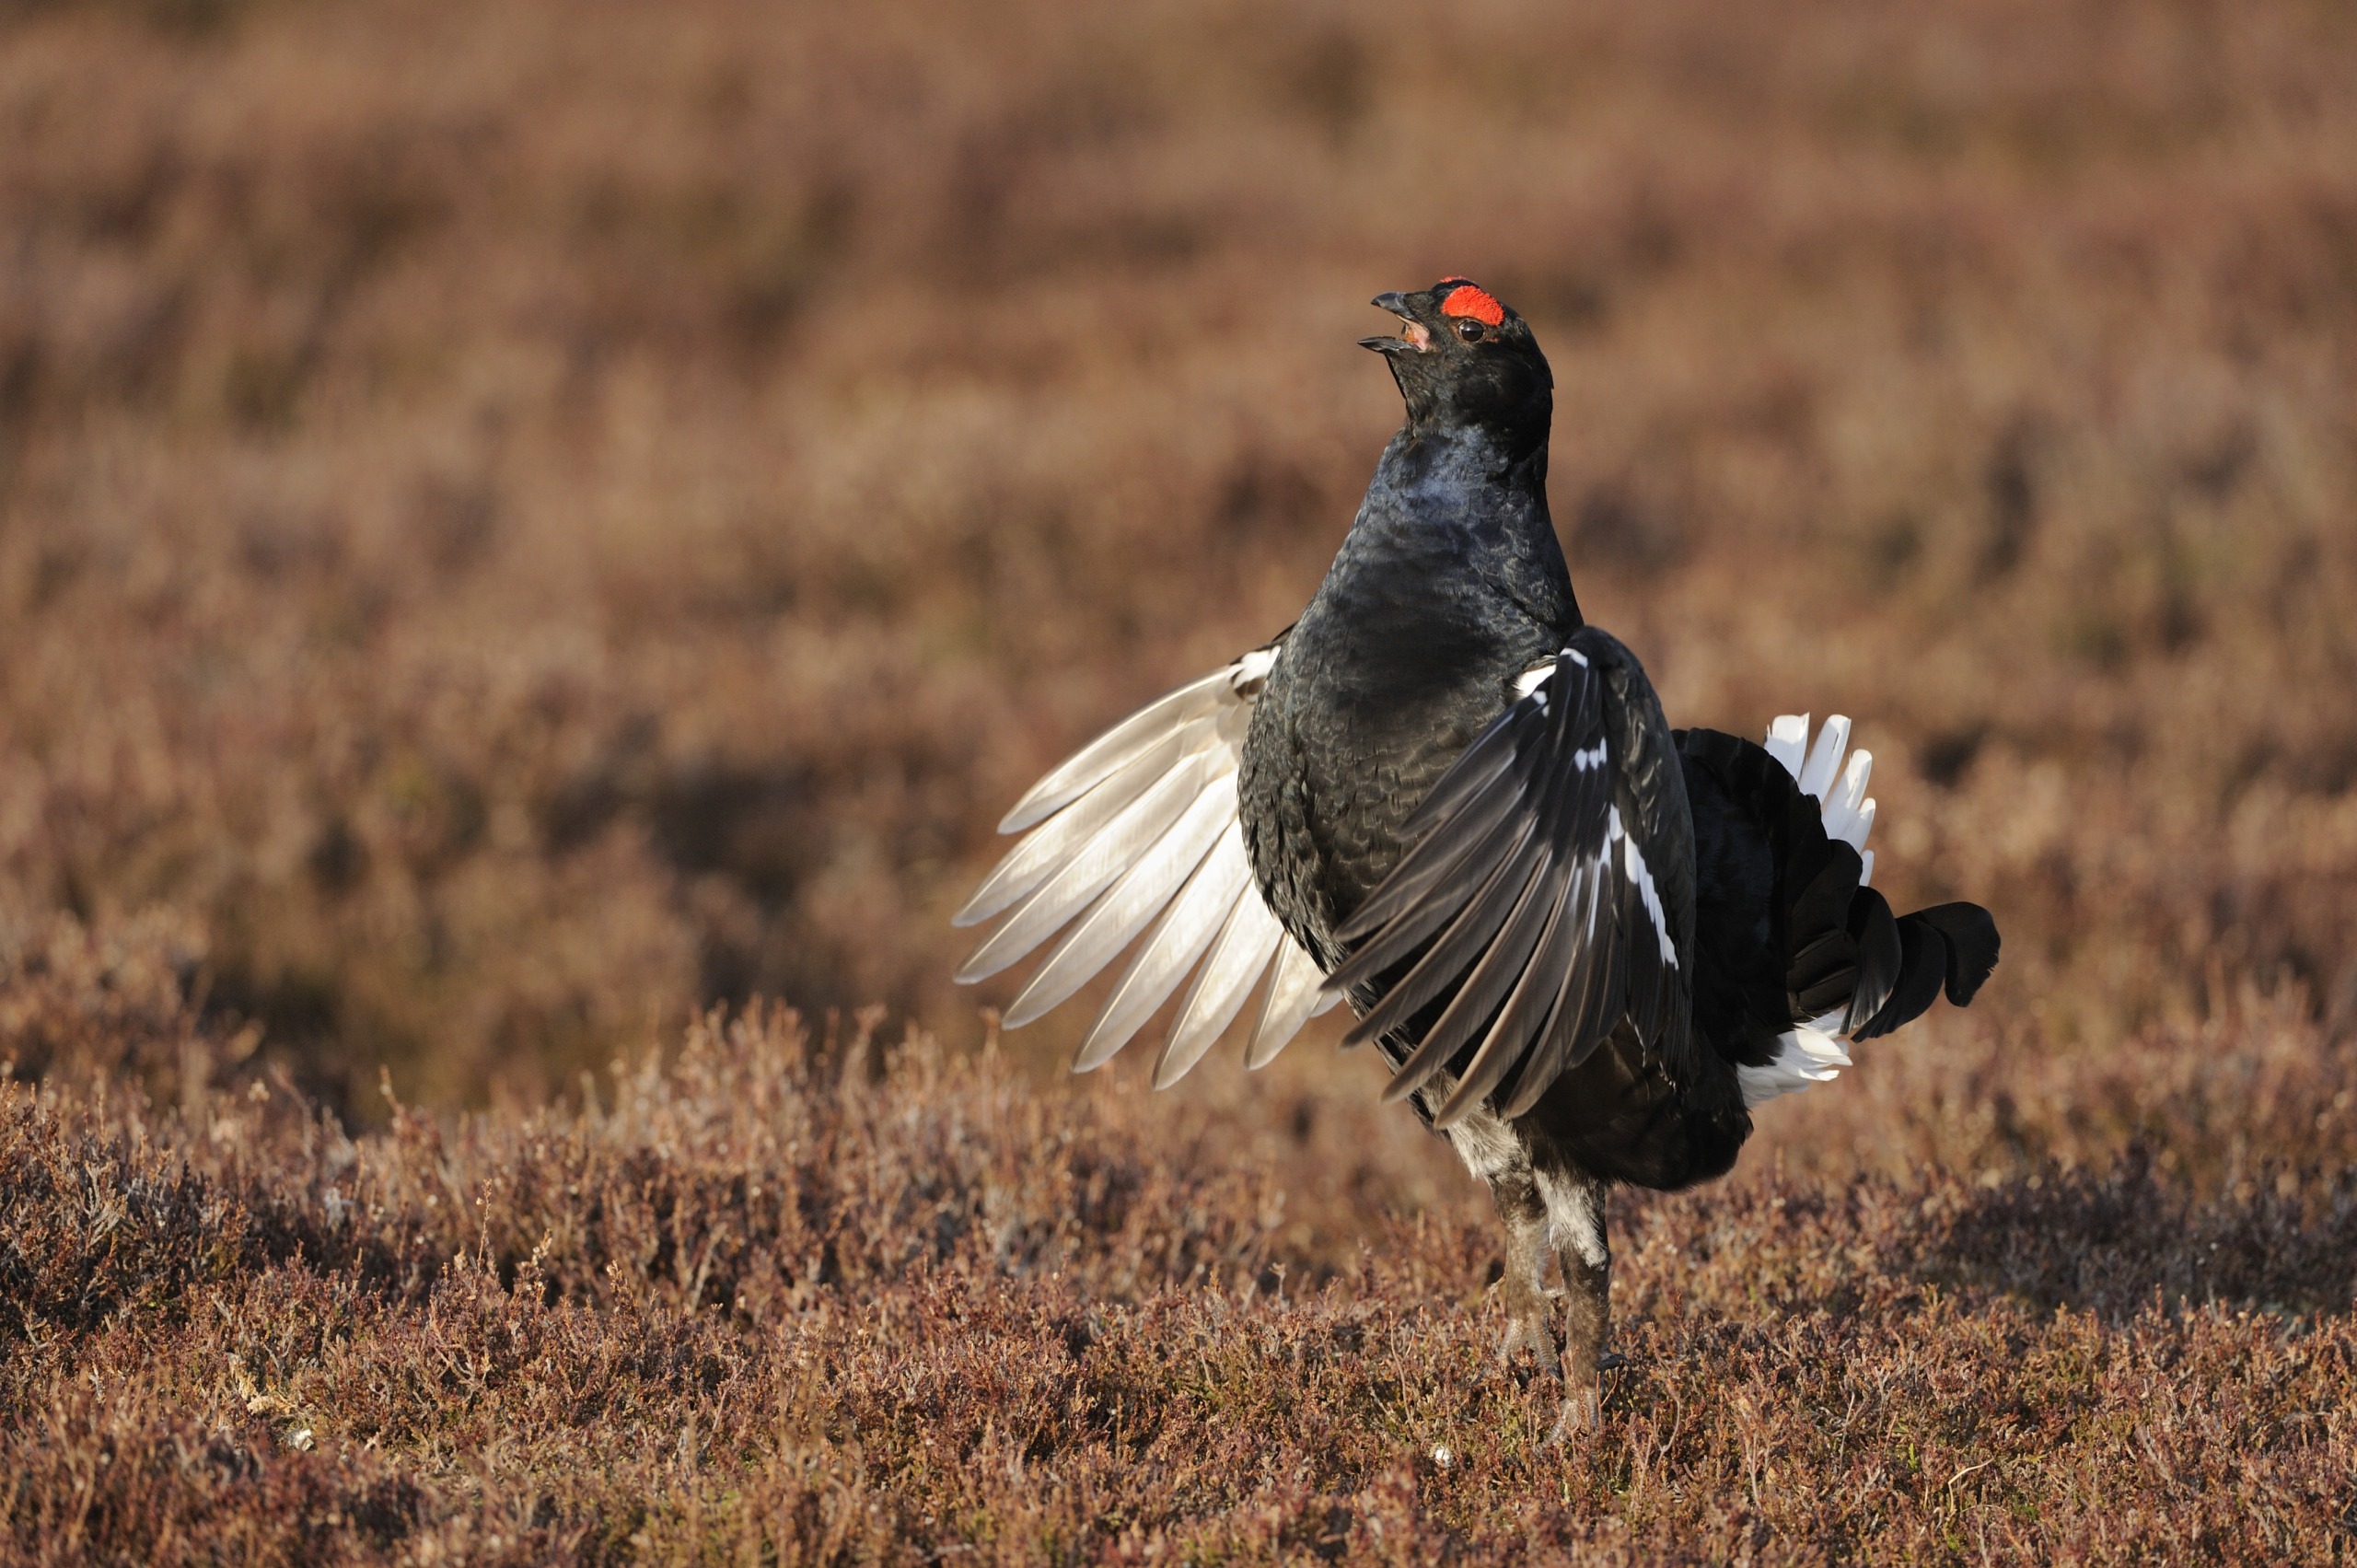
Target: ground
787, 1301
522, 525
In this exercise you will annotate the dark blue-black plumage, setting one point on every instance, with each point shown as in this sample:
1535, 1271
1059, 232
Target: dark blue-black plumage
1491, 909
1583, 941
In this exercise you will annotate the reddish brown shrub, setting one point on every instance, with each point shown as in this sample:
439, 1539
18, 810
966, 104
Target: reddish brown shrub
790, 1302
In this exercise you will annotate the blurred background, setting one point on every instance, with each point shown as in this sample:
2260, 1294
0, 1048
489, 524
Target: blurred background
520, 520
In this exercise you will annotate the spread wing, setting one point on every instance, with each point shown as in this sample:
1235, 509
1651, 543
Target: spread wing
1551, 885
1139, 828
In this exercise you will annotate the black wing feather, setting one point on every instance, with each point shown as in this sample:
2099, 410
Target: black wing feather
1556, 863
1468, 936
1467, 869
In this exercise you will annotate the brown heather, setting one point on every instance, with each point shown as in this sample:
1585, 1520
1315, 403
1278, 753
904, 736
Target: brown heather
525, 529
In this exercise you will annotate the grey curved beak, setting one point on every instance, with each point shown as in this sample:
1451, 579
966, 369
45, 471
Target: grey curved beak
1397, 303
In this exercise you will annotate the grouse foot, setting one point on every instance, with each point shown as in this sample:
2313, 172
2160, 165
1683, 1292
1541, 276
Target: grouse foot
1529, 1328
1587, 1258
1582, 1412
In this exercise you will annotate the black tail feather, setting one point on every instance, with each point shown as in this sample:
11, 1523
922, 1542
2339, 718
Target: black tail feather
1848, 951
1955, 944
1874, 936
1922, 963
1973, 939
1823, 903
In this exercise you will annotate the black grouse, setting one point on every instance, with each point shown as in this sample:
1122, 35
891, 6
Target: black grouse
1587, 943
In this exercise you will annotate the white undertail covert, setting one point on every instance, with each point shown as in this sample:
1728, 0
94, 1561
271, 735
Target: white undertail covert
1813, 1052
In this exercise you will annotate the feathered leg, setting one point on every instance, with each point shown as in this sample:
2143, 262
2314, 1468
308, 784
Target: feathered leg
1527, 1330
1574, 1207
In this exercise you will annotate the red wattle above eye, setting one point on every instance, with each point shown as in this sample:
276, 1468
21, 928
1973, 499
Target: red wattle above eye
1469, 299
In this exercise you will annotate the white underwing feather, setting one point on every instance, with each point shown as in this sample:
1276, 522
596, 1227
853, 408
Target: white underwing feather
1137, 832
1187, 928
1293, 1000
1104, 858
1046, 852
1222, 983
1135, 901
1069, 779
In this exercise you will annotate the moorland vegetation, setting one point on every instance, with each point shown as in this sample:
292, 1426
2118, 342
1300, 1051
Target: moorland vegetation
523, 525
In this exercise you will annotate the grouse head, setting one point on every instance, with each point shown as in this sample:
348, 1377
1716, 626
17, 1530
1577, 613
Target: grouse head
1463, 360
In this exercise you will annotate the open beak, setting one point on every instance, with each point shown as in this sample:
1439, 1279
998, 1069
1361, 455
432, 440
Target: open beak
1415, 338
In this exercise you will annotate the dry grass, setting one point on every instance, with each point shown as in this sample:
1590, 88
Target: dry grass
773, 1303
520, 522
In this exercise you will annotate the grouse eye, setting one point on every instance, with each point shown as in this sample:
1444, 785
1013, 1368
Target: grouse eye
1468, 328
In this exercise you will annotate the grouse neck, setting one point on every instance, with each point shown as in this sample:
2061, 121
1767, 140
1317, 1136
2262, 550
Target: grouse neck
1462, 504
1472, 453
1511, 406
